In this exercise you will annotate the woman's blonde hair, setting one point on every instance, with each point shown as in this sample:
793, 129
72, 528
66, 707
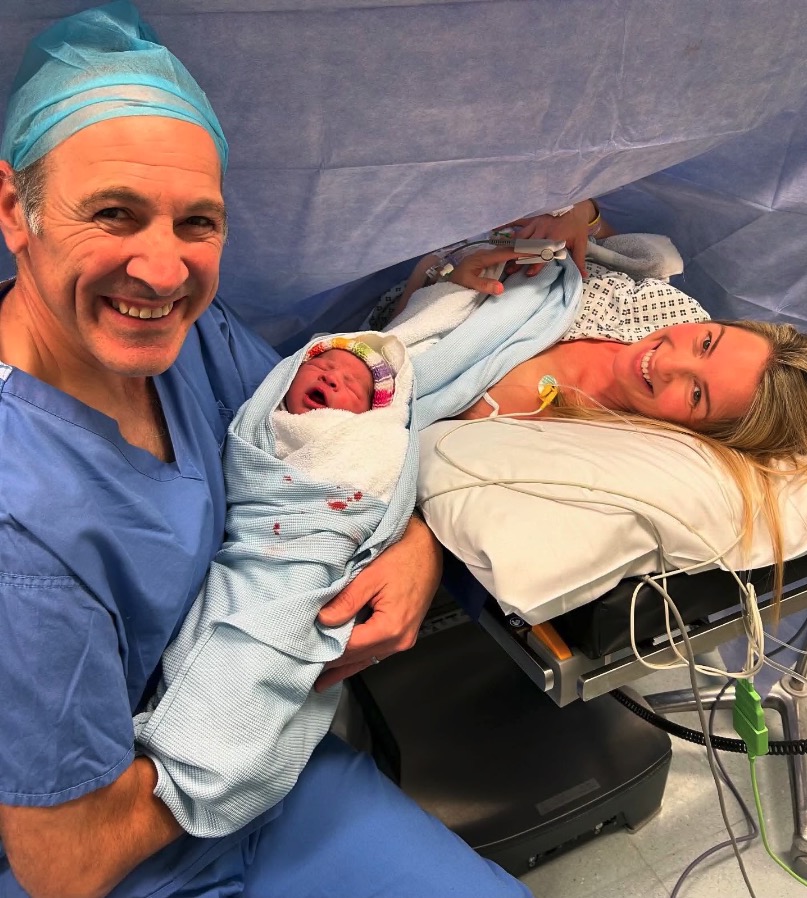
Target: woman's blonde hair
768, 443
775, 425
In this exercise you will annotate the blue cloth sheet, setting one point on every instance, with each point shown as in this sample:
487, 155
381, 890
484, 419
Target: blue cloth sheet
530, 316
363, 134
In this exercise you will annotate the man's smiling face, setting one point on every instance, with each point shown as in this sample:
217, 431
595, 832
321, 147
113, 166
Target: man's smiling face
127, 256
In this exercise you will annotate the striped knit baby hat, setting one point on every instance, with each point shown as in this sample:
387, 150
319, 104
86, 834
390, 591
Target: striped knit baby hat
380, 368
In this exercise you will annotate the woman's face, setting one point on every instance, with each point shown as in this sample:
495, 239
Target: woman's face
692, 374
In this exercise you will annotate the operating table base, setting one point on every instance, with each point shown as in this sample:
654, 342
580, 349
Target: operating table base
789, 698
468, 735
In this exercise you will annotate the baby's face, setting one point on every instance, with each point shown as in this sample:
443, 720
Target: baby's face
335, 379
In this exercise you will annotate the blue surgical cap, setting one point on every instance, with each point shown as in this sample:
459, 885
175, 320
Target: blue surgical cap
99, 64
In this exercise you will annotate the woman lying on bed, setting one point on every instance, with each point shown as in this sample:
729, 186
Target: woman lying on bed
743, 383
740, 387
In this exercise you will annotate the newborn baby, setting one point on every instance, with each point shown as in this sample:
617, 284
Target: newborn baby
320, 468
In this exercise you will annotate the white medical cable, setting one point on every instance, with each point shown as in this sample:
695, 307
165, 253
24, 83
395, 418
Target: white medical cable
755, 643
514, 484
750, 611
604, 425
786, 670
786, 645
754, 658
710, 752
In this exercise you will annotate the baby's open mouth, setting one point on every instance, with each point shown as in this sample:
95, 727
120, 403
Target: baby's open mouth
317, 398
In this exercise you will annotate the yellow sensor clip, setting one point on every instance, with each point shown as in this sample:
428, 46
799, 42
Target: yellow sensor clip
547, 390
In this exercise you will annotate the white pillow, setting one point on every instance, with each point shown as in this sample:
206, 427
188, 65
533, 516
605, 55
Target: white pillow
570, 540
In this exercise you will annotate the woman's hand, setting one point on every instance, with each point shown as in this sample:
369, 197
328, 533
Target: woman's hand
414, 282
571, 227
469, 272
398, 586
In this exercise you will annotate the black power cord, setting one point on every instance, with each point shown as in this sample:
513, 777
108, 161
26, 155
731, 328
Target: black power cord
722, 743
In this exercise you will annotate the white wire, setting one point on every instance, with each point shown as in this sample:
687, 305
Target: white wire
752, 621
710, 752
793, 674
786, 645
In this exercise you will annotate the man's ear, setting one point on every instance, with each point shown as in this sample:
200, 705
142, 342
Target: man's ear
12, 220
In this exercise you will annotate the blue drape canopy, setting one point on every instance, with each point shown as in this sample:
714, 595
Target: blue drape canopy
363, 133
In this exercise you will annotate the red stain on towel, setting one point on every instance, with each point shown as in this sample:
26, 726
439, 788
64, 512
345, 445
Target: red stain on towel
357, 496
276, 528
287, 478
337, 505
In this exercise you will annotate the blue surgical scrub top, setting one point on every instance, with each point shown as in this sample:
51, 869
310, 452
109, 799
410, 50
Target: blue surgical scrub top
103, 548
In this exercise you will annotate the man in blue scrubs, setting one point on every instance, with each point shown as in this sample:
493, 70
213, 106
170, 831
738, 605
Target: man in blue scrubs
119, 372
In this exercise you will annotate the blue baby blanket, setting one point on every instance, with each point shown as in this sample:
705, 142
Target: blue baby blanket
311, 499
462, 343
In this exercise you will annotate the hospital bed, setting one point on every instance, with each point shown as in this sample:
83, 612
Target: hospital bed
587, 652
363, 134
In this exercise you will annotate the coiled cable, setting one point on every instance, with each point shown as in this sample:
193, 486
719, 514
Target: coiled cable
723, 743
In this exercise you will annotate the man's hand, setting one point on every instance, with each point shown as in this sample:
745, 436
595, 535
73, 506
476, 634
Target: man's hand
398, 586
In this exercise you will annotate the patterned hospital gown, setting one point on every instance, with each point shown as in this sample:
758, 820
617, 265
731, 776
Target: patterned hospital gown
615, 307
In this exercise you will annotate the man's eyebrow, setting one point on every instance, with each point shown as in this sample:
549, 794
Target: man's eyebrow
710, 353
111, 195
127, 196
214, 208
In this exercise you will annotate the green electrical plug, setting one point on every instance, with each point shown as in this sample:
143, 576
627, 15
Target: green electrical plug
749, 719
